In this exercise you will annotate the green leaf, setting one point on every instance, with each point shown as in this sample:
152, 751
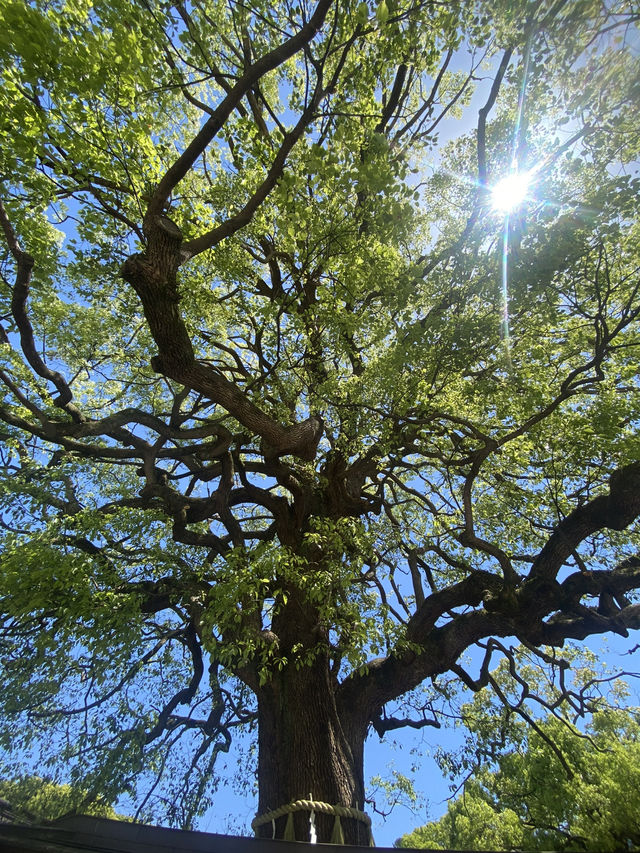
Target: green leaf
382, 12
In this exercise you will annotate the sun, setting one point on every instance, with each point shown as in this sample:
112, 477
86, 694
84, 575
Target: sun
511, 191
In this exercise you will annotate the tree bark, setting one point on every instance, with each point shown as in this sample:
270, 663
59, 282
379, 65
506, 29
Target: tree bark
308, 749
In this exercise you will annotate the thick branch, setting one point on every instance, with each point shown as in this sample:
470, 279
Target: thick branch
585, 622
381, 680
615, 511
383, 724
51, 431
212, 126
469, 592
24, 265
153, 277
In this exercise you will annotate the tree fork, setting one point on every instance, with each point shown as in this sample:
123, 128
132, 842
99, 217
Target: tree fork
153, 276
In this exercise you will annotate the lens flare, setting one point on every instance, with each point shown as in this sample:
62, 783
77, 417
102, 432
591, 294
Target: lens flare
511, 191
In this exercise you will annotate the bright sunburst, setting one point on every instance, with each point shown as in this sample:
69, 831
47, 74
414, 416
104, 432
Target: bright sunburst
511, 191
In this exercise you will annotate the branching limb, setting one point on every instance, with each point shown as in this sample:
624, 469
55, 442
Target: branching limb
615, 511
187, 694
383, 724
468, 592
215, 122
24, 264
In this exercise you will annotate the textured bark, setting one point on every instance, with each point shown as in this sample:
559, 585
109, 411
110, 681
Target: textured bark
307, 749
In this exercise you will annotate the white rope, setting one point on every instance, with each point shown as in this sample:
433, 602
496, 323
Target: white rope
312, 806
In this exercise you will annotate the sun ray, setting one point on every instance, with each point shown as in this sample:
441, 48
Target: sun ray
506, 336
510, 192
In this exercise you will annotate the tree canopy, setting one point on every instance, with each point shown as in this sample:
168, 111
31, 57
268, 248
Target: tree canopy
292, 415
37, 799
546, 786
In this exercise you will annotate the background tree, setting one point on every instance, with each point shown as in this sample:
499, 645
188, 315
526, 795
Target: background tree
292, 417
546, 786
36, 799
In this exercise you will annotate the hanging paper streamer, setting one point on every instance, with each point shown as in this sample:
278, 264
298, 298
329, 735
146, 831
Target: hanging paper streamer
313, 838
289, 831
312, 806
337, 836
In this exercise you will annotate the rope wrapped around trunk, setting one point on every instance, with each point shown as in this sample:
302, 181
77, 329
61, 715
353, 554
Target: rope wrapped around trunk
337, 835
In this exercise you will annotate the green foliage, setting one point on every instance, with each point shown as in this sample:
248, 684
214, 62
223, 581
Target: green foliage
40, 799
557, 786
282, 393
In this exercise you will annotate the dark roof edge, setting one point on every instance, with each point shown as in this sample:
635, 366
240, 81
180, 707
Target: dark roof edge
85, 833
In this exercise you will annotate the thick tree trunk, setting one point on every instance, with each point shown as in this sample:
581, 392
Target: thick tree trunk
306, 750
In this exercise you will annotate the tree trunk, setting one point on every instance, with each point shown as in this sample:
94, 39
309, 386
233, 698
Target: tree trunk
308, 750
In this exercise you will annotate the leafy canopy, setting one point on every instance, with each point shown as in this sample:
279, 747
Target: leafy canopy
282, 393
36, 799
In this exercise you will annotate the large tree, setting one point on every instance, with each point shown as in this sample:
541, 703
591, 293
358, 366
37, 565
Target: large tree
292, 415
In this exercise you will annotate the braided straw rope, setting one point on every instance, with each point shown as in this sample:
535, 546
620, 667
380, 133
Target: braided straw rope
313, 806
